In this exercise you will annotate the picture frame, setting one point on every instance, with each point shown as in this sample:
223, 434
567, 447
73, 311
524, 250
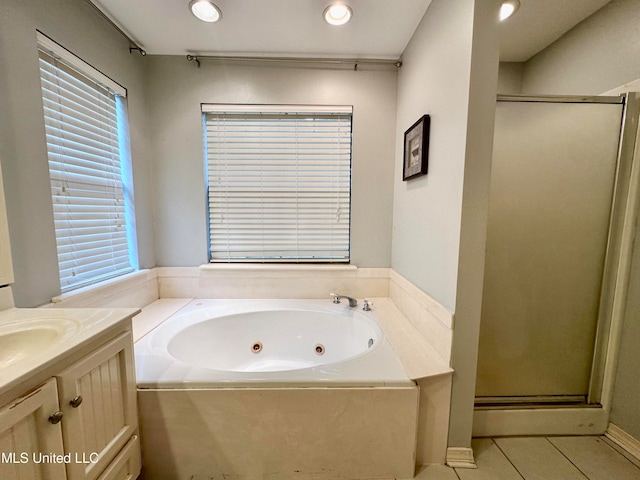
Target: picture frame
416, 149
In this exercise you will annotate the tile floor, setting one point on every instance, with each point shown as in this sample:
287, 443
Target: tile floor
541, 458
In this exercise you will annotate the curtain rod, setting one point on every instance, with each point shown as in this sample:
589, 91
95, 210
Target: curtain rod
132, 44
332, 61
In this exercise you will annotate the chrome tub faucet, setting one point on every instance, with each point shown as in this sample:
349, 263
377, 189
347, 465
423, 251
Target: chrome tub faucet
336, 299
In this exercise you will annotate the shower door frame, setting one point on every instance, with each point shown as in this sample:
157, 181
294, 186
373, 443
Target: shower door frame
592, 418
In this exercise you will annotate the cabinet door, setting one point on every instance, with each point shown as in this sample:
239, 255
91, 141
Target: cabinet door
26, 434
126, 465
99, 425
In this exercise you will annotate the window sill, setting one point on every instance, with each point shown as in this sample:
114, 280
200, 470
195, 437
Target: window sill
278, 267
106, 285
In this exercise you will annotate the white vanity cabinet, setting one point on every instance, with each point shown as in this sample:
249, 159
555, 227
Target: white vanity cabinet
86, 414
98, 400
26, 432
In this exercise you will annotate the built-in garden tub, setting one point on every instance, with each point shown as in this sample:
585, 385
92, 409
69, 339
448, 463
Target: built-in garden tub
274, 389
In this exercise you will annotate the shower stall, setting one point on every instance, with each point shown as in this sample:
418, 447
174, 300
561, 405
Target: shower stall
559, 190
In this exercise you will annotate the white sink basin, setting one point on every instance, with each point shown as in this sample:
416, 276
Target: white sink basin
33, 339
25, 339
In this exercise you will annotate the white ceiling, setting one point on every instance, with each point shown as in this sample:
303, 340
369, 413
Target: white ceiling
379, 28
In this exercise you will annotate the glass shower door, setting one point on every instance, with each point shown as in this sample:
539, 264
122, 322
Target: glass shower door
553, 176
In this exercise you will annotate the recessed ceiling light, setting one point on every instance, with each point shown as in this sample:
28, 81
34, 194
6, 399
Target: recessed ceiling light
205, 10
337, 13
508, 8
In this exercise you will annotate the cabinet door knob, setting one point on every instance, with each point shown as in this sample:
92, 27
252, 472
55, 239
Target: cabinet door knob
76, 401
55, 418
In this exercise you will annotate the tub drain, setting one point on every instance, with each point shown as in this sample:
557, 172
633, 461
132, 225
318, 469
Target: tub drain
370, 343
319, 349
256, 347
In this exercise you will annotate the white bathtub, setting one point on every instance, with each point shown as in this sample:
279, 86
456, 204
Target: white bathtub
269, 343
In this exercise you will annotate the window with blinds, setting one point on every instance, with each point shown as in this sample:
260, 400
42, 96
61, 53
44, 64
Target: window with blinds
83, 120
279, 183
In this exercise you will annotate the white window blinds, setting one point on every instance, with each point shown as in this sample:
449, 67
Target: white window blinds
81, 119
279, 183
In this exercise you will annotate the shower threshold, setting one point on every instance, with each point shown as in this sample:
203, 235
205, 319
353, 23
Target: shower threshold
535, 401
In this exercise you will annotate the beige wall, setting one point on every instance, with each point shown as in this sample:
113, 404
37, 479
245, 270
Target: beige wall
440, 218
177, 88
76, 26
427, 209
626, 395
510, 78
597, 55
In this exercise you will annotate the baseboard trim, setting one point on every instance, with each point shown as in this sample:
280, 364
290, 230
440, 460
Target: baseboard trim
460, 457
624, 440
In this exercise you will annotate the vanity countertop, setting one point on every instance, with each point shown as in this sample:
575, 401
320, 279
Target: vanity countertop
32, 340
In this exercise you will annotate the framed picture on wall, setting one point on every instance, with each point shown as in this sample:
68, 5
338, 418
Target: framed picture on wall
416, 149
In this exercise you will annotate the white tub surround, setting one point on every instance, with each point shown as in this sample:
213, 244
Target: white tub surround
422, 336
135, 290
417, 355
433, 419
424, 365
433, 321
271, 281
210, 343
155, 313
283, 412
420, 360
274, 434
